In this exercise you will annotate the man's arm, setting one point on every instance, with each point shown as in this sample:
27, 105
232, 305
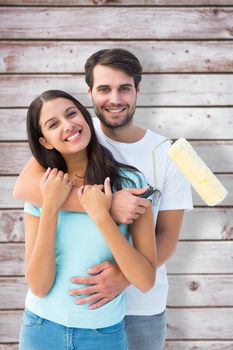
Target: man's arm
167, 233
107, 280
27, 189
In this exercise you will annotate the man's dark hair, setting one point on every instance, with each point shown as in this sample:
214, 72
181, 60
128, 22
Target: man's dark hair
115, 58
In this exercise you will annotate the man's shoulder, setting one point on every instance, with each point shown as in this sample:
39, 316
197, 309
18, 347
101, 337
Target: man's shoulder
157, 139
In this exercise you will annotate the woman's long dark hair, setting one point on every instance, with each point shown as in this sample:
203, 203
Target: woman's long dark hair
101, 163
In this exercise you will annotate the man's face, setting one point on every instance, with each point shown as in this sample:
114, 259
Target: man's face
114, 96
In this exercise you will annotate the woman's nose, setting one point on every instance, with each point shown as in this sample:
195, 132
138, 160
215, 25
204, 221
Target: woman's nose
67, 125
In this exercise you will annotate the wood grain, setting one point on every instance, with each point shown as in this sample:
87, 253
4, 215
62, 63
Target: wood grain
190, 258
199, 324
195, 123
199, 345
118, 2
202, 257
94, 23
184, 291
199, 224
7, 184
217, 155
200, 290
215, 321
155, 56
186, 50
156, 90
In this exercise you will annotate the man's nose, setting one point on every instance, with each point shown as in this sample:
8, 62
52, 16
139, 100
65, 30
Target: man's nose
115, 97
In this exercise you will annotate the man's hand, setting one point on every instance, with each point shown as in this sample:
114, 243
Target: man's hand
105, 284
126, 206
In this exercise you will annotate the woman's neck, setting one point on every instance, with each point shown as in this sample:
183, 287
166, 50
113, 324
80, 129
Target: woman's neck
77, 165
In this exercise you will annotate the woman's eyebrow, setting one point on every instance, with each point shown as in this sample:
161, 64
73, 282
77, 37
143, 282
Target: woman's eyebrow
67, 109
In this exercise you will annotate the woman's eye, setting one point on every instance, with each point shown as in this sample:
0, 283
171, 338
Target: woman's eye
53, 125
71, 115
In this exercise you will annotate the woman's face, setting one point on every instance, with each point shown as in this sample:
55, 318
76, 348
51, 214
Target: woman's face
63, 127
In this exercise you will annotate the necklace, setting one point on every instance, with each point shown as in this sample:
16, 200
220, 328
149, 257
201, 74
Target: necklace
77, 180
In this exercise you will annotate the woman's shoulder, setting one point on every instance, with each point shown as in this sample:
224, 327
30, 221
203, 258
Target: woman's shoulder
132, 178
32, 209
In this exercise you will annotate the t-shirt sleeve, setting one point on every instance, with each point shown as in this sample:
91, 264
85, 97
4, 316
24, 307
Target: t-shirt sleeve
133, 179
176, 193
139, 181
31, 209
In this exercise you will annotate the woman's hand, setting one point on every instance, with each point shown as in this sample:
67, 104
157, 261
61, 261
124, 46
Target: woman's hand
96, 199
55, 187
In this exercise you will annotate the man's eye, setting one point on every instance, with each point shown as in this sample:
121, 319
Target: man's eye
103, 89
125, 88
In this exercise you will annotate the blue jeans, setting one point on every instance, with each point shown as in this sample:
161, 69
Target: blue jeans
146, 332
40, 334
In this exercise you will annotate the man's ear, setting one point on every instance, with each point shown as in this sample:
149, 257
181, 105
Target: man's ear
89, 91
138, 88
45, 143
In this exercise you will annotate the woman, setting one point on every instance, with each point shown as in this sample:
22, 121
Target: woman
62, 244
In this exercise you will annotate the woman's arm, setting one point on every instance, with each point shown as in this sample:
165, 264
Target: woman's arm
40, 234
27, 187
40, 238
126, 207
138, 262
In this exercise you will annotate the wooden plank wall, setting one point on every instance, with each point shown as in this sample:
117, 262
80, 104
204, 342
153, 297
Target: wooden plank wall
186, 50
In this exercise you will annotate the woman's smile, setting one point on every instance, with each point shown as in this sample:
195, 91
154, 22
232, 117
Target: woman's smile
73, 136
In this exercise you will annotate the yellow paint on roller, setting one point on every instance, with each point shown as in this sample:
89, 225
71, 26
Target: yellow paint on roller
197, 172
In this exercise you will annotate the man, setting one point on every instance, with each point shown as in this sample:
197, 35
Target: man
113, 78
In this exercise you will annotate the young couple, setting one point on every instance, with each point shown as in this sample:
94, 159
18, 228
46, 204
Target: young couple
91, 241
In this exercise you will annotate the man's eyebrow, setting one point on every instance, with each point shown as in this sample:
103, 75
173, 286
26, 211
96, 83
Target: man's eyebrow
127, 84
107, 85
67, 109
102, 85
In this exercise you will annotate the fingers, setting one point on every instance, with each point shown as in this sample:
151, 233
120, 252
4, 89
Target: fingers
84, 280
96, 299
55, 174
67, 179
100, 303
136, 191
80, 192
90, 299
99, 267
83, 190
141, 209
84, 290
59, 174
143, 202
107, 187
45, 175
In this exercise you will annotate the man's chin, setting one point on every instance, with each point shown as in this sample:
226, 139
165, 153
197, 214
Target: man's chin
110, 123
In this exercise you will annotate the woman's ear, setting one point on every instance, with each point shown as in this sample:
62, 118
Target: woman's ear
45, 143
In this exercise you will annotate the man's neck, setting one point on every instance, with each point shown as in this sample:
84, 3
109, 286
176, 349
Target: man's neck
127, 134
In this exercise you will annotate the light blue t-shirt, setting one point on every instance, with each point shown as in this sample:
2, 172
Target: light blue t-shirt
79, 245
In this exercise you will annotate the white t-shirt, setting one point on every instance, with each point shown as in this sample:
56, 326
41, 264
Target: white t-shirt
175, 194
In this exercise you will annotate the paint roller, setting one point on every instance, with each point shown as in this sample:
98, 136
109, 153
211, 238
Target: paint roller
197, 172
